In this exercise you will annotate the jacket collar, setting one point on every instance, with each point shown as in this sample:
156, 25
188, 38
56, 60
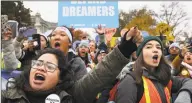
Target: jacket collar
148, 75
14, 93
18, 93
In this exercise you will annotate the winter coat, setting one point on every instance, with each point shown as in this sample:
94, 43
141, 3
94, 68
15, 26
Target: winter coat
8, 54
77, 65
170, 58
85, 89
127, 89
181, 68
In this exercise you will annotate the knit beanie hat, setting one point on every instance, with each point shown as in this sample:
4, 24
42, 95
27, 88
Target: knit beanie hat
84, 43
147, 39
174, 45
102, 48
44, 37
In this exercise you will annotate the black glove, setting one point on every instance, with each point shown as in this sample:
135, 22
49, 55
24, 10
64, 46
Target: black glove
127, 47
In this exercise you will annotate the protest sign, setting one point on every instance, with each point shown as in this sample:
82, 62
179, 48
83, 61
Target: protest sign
29, 32
88, 14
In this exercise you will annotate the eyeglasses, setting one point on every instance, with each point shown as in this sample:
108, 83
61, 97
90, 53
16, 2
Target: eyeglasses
50, 67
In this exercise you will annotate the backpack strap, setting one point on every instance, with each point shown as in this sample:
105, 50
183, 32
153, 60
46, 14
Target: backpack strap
140, 90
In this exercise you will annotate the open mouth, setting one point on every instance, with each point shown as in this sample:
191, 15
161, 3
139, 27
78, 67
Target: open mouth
57, 45
155, 58
39, 77
188, 58
83, 52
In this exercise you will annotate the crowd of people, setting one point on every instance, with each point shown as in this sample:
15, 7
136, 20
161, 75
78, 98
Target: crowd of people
137, 70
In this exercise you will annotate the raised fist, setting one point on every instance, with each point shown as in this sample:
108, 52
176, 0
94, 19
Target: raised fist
100, 30
183, 51
136, 34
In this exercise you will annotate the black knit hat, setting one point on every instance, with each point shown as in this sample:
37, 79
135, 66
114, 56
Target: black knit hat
102, 48
147, 39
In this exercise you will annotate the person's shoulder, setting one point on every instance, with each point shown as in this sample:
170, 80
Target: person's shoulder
77, 62
127, 83
127, 69
129, 77
12, 92
77, 59
167, 56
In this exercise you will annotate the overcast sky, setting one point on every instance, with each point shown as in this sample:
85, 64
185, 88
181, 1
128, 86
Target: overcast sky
49, 9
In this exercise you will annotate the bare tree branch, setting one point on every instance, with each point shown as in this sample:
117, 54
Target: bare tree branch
174, 15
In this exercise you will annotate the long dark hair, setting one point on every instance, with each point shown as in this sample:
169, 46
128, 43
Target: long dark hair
65, 73
162, 72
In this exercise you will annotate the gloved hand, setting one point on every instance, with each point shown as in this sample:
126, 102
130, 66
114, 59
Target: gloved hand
131, 39
21, 36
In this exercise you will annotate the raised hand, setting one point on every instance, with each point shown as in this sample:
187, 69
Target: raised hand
22, 30
123, 31
136, 34
100, 30
183, 51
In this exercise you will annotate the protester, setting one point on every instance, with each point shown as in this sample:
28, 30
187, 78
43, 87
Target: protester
151, 79
8, 55
92, 48
61, 38
83, 36
103, 97
174, 49
83, 52
34, 85
182, 64
101, 53
99, 56
44, 41
30, 50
